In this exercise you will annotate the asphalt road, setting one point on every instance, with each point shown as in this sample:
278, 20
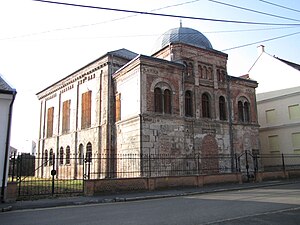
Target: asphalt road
270, 205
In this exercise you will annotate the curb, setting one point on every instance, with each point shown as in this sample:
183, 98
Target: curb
146, 197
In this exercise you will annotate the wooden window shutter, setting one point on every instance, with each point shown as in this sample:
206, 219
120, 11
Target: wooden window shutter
50, 115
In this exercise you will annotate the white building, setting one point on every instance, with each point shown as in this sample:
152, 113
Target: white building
278, 103
7, 96
269, 70
279, 119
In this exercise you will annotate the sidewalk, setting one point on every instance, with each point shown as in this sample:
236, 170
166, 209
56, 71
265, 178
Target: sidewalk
135, 196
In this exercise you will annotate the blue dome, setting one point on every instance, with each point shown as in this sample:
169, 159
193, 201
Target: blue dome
184, 35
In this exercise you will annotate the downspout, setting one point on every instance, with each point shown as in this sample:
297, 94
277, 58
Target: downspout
108, 133
230, 122
7, 145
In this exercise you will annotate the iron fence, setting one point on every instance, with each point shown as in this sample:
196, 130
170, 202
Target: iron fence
65, 174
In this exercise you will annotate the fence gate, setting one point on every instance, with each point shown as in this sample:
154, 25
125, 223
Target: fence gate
51, 176
248, 164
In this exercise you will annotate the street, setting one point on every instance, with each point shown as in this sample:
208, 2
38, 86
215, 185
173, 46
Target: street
270, 205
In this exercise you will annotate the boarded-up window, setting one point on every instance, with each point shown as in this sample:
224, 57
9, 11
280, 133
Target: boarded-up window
86, 110
274, 144
296, 140
118, 107
294, 112
50, 117
271, 116
66, 116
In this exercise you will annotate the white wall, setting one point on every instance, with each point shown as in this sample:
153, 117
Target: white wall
283, 126
130, 91
5, 101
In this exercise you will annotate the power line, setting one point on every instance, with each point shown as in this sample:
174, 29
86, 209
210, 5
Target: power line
257, 42
167, 15
281, 6
246, 30
94, 24
255, 11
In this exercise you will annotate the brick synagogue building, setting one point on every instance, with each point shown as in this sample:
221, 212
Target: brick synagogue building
179, 102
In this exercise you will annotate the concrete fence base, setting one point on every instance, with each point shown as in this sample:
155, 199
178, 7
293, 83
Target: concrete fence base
92, 187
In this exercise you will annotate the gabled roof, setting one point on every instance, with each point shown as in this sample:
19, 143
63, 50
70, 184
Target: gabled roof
294, 65
124, 53
4, 86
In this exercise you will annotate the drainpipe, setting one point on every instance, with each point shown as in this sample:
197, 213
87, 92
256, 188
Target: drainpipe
7, 145
230, 122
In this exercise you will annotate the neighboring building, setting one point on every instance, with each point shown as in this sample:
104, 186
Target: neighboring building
279, 119
7, 97
179, 101
273, 73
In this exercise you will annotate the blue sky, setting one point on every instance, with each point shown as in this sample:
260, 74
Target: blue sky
41, 43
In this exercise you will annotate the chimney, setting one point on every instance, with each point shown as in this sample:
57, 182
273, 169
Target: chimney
260, 49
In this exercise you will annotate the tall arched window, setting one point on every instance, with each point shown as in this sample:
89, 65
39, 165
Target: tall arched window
81, 154
68, 155
46, 157
51, 157
222, 108
205, 106
247, 111
89, 152
188, 104
61, 156
241, 111
244, 110
158, 100
167, 101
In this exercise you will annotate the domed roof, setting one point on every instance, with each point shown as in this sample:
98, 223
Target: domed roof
184, 35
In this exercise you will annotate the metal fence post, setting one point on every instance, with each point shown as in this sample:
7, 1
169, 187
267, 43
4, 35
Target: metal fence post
53, 173
247, 166
283, 163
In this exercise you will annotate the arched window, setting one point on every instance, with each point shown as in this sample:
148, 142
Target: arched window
222, 108
167, 101
204, 72
61, 156
89, 152
68, 155
81, 154
247, 111
209, 73
162, 99
46, 157
241, 111
244, 110
158, 100
51, 157
188, 104
205, 106
200, 71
